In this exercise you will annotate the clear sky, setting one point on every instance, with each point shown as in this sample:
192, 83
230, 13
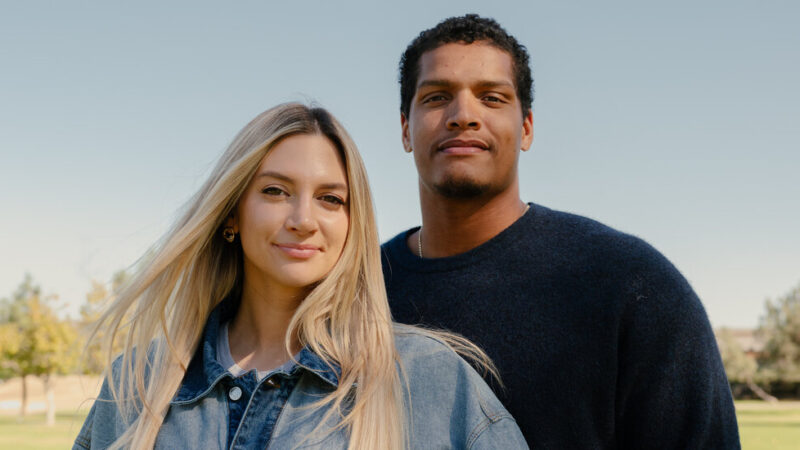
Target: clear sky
674, 121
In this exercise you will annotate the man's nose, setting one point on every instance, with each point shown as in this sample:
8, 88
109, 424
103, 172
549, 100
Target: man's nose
463, 112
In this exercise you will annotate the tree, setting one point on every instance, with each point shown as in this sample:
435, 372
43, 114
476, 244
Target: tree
780, 328
740, 368
94, 358
35, 341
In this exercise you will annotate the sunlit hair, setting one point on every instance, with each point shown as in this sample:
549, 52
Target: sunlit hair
345, 319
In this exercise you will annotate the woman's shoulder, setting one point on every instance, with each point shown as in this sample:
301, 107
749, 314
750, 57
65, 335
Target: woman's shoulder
447, 398
425, 354
415, 342
422, 349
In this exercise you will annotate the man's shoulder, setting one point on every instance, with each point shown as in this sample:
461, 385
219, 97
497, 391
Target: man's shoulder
561, 239
577, 239
397, 240
543, 223
567, 226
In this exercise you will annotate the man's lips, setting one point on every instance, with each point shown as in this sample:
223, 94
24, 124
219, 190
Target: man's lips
298, 251
462, 146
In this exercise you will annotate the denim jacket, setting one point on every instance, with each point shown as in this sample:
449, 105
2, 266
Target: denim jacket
447, 403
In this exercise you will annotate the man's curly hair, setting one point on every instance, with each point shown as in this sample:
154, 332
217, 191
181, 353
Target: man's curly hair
465, 29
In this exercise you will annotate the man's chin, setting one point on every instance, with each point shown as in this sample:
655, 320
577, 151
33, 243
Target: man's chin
461, 188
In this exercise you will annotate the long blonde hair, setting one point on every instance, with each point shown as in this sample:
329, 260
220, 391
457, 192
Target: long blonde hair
345, 319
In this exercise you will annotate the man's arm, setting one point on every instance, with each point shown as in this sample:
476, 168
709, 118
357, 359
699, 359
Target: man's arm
672, 390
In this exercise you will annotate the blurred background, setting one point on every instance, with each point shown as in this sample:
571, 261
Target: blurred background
673, 121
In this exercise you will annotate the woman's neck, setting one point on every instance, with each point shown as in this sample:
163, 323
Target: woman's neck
256, 334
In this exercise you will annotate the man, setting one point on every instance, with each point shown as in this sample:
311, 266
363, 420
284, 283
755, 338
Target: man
600, 342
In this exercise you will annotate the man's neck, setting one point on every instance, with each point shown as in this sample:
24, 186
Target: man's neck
454, 226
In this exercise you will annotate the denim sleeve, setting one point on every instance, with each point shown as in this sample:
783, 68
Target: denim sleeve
84, 439
497, 432
103, 425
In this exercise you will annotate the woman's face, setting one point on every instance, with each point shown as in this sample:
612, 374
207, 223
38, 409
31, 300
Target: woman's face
293, 217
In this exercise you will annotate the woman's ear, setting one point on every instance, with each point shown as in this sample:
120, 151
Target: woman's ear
232, 222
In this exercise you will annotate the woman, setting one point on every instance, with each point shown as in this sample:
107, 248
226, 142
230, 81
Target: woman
266, 322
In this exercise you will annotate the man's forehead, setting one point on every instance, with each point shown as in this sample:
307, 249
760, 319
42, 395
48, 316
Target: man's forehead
456, 62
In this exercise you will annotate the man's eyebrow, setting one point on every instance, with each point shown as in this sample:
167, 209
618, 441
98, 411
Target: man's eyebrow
434, 83
282, 177
437, 83
495, 84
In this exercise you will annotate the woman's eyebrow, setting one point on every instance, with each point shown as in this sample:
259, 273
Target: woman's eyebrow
272, 174
333, 186
282, 177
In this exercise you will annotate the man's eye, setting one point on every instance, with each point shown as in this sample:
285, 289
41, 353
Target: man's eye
272, 190
332, 199
434, 98
492, 99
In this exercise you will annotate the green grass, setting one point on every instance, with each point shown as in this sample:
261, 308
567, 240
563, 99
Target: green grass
33, 434
765, 426
761, 426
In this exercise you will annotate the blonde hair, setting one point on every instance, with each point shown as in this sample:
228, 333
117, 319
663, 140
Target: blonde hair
345, 319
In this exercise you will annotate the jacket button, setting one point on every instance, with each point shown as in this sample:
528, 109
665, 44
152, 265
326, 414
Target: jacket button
235, 393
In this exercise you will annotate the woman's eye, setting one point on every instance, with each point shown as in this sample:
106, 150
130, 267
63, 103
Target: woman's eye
272, 190
332, 199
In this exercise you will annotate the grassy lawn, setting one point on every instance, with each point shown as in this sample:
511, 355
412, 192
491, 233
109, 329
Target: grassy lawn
766, 426
762, 426
33, 434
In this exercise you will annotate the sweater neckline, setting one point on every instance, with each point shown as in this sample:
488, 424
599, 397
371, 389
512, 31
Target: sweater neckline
498, 244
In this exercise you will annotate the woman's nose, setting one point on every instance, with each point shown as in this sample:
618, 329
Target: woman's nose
301, 219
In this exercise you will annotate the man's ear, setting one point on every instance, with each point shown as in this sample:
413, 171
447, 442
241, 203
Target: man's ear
527, 131
406, 137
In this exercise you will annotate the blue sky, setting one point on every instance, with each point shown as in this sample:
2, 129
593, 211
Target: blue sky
676, 122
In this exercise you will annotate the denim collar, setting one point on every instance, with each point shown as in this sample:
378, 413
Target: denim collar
204, 372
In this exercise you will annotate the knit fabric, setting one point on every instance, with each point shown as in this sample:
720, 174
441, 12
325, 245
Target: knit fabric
600, 342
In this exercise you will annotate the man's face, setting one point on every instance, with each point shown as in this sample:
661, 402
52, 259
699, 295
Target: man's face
464, 125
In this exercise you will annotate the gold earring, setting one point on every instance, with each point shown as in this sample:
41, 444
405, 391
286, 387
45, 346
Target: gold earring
228, 234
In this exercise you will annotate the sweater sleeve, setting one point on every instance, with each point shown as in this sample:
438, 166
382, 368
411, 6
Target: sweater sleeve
672, 391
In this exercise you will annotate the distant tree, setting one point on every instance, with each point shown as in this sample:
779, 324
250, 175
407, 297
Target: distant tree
35, 341
740, 368
780, 328
9, 347
94, 357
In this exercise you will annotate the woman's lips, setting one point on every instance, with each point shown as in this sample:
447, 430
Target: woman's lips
298, 251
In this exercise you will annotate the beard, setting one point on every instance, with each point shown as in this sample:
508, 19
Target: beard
463, 188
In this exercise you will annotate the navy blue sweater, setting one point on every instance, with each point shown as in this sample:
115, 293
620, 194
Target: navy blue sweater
600, 341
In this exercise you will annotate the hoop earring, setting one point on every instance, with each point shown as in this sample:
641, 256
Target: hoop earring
228, 234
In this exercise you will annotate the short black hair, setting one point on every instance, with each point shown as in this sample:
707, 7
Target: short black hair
467, 29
